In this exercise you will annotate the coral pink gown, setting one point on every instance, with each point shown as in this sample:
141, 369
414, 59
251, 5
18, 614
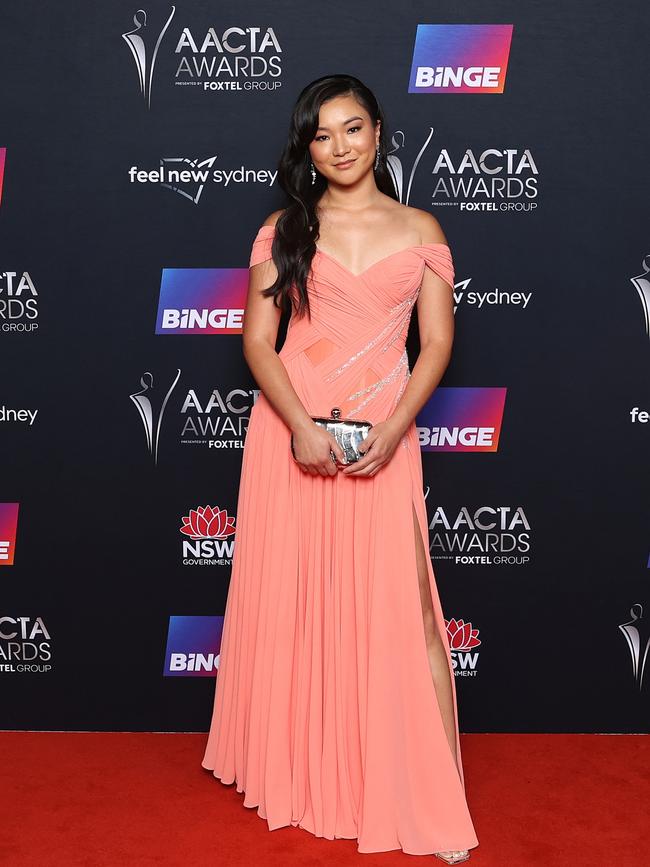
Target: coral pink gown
325, 711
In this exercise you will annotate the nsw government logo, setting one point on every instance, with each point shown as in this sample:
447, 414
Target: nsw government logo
463, 639
193, 646
208, 533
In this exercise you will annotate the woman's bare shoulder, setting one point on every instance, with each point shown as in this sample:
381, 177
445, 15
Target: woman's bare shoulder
426, 225
273, 218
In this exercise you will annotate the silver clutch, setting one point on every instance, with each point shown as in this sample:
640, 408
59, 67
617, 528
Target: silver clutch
348, 433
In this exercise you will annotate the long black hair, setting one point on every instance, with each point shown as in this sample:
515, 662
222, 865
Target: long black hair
297, 228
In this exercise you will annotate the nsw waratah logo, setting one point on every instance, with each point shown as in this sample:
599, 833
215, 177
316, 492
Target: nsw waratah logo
462, 420
208, 533
202, 301
460, 58
8, 525
463, 641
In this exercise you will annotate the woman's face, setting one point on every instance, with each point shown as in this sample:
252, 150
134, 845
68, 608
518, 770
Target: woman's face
346, 142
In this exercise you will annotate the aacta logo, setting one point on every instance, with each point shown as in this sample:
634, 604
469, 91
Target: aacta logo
208, 531
8, 524
462, 638
18, 301
25, 645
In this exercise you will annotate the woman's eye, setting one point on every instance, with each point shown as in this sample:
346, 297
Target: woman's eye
322, 137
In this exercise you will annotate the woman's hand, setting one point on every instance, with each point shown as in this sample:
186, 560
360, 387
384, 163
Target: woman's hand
313, 446
378, 448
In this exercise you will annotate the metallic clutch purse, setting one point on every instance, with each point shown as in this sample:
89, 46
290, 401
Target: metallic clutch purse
348, 433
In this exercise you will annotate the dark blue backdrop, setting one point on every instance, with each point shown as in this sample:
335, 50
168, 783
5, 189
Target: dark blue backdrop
550, 308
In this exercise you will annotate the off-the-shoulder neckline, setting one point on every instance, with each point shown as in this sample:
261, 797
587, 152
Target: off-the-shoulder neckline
375, 264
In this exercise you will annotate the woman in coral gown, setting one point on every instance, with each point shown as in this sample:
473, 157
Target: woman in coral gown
335, 702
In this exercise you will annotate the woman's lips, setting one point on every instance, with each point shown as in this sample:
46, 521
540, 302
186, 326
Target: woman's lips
345, 165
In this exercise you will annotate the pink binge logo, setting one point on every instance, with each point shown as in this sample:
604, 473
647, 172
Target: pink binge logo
8, 525
202, 301
460, 58
461, 419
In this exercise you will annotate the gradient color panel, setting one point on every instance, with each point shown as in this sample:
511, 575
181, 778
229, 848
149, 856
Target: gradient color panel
192, 635
3, 158
213, 289
461, 45
8, 525
461, 408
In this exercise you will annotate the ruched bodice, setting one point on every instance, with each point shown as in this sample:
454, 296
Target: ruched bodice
363, 319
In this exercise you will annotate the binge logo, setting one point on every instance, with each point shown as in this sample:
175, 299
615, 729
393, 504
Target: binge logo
202, 300
462, 638
3, 159
461, 420
460, 58
193, 645
8, 525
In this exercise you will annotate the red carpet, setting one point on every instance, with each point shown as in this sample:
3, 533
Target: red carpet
143, 799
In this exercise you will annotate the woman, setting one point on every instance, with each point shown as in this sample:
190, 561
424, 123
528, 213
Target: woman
335, 703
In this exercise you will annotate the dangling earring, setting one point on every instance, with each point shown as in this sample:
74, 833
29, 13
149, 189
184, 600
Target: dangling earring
377, 160
313, 174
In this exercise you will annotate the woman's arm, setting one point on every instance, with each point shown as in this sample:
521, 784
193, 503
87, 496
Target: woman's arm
260, 331
435, 306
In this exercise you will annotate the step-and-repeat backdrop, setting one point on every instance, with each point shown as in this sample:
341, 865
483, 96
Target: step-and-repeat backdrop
138, 158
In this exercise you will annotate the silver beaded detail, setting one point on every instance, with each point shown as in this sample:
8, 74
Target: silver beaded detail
378, 386
406, 303
358, 354
403, 323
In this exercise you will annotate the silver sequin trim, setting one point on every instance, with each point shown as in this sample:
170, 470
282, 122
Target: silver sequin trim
406, 303
402, 328
378, 386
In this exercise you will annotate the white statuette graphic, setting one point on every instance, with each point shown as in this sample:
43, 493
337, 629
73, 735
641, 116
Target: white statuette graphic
642, 286
637, 635
134, 39
142, 400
